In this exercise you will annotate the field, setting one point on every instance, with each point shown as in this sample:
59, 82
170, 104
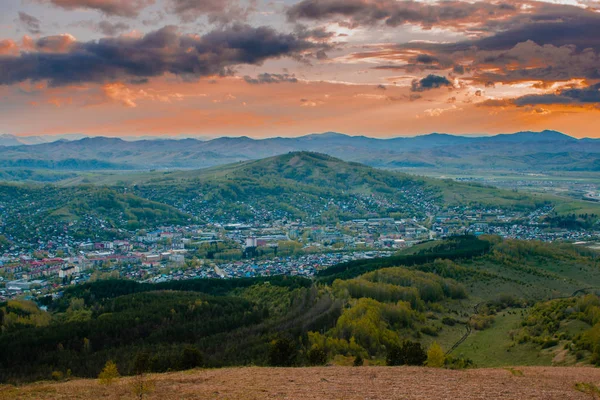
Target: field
500, 351
545, 383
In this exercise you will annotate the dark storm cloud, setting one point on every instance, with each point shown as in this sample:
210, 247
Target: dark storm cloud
426, 59
31, 23
123, 8
549, 43
156, 53
430, 82
580, 31
588, 95
270, 78
395, 13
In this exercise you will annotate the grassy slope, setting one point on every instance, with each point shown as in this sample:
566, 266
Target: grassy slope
530, 271
493, 347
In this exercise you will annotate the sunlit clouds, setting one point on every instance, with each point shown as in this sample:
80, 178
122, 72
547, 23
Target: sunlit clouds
261, 68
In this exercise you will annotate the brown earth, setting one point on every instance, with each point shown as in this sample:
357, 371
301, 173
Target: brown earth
544, 383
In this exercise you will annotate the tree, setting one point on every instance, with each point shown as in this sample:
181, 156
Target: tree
358, 361
435, 356
317, 356
141, 363
140, 384
109, 373
191, 358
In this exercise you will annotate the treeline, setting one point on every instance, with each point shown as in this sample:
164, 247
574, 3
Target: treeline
462, 247
96, 292
68, 164
572, 221
400, 284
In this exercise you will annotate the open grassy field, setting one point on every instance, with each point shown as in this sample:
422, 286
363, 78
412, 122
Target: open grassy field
500, 350
544, 383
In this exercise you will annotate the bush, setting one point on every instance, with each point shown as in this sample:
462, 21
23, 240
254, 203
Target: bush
409, 353
428, 330
481, 322
109, 373
458, 362
57, 376
358, 361
547, 343
191, 358
317, 356
282, 353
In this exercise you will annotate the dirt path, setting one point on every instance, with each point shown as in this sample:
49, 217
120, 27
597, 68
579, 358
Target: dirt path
544, 383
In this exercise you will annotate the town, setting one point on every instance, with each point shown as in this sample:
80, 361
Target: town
253, 249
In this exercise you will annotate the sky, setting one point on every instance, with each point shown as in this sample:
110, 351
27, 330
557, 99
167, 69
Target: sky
263, 68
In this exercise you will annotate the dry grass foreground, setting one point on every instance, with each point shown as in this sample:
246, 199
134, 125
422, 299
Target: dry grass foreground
336, 383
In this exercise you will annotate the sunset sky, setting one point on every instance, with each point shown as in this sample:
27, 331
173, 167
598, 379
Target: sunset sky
265, 68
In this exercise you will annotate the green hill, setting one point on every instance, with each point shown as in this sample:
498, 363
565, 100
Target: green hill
311, 186
36, 211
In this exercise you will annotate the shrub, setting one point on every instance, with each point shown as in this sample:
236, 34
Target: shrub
588, 388
191, 358
317, 356
409, 353
481, 322
282, 353
430, 331
109, 373
547, 343
57, 376
358, 361
458, 362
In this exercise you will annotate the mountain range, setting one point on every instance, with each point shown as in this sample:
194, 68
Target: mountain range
521, 151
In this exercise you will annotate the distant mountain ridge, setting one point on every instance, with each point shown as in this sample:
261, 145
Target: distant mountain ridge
522, 151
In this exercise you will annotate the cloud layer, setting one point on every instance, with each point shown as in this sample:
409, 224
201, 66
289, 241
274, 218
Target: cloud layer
155, 54
122, 8
382, 65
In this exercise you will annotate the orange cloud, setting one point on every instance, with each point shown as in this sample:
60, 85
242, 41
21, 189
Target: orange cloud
8, 47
